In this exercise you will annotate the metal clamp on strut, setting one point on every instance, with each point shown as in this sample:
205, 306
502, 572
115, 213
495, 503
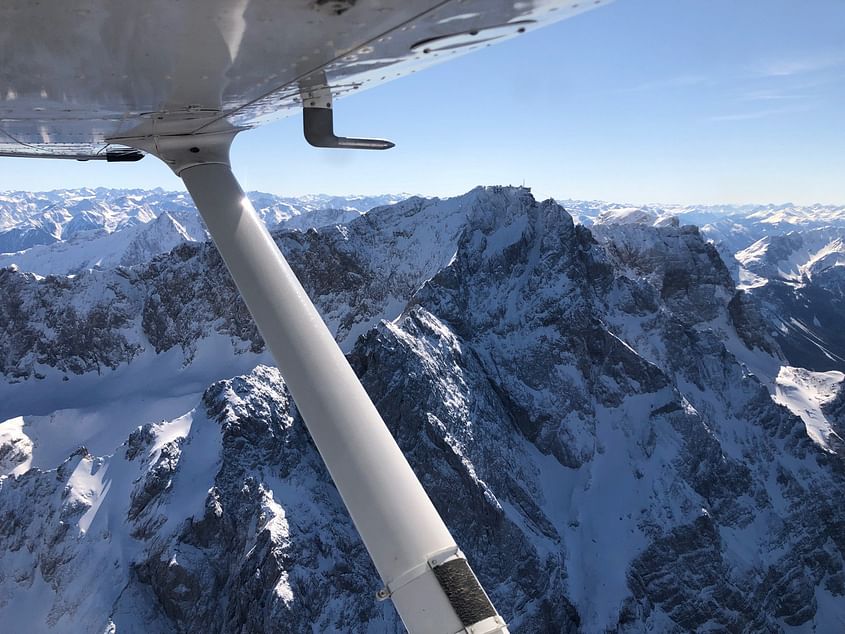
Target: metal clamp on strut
458, 582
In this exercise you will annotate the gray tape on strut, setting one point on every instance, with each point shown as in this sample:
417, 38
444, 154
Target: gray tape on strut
464, 592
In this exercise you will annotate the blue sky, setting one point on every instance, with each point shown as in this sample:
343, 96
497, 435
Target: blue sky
710, 101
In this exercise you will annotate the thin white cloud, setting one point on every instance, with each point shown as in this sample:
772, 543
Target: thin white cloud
800, 65
769, 96
680, 81
757, 114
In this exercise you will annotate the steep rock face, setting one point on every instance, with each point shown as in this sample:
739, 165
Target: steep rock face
188, 295
738, 462
222, 520
700, 354
44, 323
805, 319
750, 324
804, 312
691, 277
459, 437
834, 411
523, 283
272, 549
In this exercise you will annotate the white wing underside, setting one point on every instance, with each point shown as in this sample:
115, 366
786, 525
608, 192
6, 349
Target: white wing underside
78, 75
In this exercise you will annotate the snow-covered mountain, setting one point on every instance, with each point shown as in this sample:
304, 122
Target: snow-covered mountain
778, 216
798, 279
731, 227
790, 258
599, 413
65, 232
28, 219
797, 256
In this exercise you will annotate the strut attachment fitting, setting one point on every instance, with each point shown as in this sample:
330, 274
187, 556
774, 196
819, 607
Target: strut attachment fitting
318, 120
124, 155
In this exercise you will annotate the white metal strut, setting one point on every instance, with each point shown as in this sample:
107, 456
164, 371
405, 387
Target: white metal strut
424, 573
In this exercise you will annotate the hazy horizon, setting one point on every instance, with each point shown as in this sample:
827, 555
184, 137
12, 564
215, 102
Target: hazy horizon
539, 196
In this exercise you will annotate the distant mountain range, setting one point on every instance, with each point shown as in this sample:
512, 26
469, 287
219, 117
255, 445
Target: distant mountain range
74, 230
67, 231
629, 423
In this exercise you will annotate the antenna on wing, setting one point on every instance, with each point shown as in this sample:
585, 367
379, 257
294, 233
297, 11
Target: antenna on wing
318, 118
318, 125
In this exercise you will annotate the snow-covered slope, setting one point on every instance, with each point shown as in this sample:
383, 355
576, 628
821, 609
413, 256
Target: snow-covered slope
66, 231
590, 410
796, 255
806, 394
62, 214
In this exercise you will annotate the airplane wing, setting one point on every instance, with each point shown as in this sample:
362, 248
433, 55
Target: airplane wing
78, 75
178, 79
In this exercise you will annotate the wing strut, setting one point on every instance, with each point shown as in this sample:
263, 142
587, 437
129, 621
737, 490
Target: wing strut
424, 573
